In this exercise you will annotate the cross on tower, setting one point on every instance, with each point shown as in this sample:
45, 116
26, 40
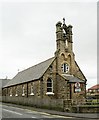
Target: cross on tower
63, 20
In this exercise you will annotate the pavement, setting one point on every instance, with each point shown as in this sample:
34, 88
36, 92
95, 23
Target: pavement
53, 112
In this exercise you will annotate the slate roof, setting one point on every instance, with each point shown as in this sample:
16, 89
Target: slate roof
32, 73
72, 79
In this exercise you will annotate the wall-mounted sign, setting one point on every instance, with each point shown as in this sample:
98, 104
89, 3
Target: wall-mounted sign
77, 89
77, 85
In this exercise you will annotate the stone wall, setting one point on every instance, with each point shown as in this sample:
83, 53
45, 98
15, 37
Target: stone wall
61, 88
77, 95
62, 91
85, 109
50, 73
56, 104
18, 89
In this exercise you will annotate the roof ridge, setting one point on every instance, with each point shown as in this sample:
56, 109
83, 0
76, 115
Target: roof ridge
36, 65
31, 73
94, 87
80, 71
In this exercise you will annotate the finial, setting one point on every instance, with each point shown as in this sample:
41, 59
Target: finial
63, 20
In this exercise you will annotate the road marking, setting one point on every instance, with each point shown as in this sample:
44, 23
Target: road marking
34, 117
37, 112
45, 113
60, 116
12, 112
31, 111
47, 116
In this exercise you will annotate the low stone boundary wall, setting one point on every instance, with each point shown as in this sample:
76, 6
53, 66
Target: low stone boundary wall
56, 104
85, 109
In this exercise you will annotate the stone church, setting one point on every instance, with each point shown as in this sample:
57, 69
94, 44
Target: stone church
58, 77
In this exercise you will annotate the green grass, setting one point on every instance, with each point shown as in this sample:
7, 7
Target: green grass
95, 100
89, 105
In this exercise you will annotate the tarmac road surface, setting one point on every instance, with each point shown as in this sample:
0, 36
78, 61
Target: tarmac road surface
17, 113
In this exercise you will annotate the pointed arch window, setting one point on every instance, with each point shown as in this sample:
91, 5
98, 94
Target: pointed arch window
23, 91
49, 86
16, 91
32, 85
10, 91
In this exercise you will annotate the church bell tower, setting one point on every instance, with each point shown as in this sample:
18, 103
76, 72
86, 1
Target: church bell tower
64, 37
66, 65
64, 48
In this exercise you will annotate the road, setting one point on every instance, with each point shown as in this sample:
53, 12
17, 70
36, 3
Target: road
16, 112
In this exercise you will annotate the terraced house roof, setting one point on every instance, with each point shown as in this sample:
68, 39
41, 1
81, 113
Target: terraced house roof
32, 73
95, 87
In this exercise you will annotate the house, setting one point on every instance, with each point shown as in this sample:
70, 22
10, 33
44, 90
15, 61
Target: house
93, 92
3, 82
58, 77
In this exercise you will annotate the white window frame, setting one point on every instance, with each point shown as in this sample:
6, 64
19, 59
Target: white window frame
51, 92
16, 92
94, 90
23, 94
10, 92
32, 85
65, 67
90, 90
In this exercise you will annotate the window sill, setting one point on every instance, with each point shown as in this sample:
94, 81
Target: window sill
23, 94
49, 93
16, 95
32, 94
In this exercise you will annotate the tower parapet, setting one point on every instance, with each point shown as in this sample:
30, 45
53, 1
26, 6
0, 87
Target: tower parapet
64, 36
